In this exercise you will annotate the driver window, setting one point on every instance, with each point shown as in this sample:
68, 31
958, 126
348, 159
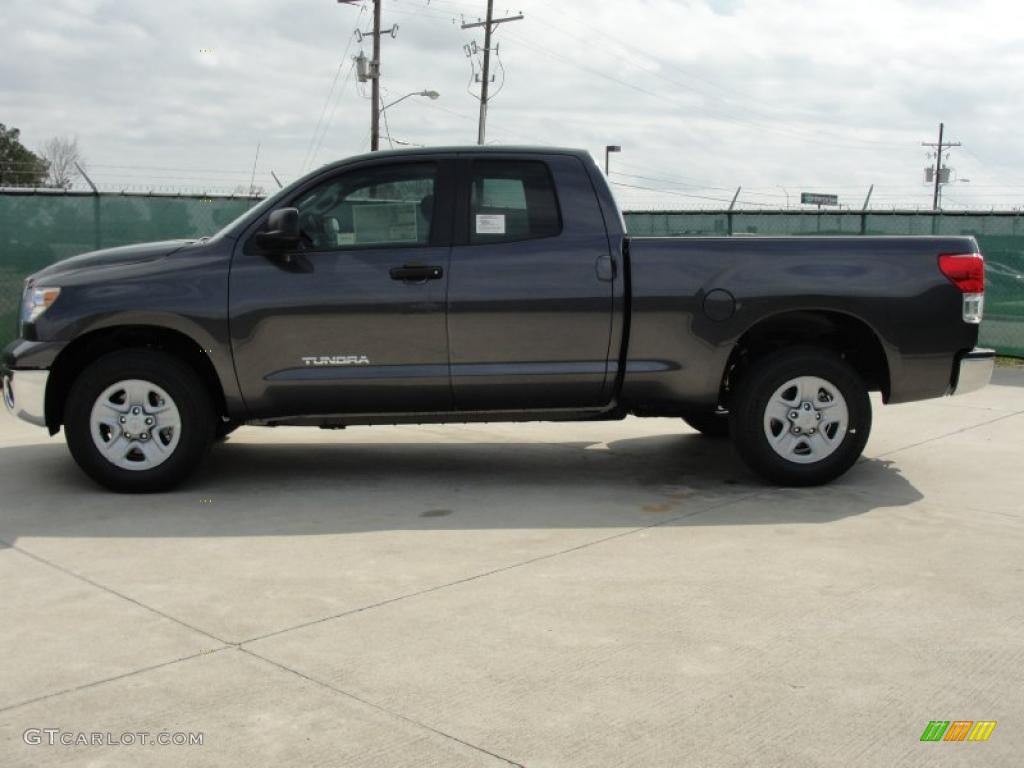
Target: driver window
384, 205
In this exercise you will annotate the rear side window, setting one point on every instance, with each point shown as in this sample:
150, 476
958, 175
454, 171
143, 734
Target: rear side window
512, 200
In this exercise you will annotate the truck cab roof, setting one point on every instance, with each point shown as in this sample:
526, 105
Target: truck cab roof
464, 149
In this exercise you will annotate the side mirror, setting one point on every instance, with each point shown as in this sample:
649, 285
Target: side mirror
282, 232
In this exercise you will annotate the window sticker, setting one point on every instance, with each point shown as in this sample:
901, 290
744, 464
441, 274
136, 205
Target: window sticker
490, 224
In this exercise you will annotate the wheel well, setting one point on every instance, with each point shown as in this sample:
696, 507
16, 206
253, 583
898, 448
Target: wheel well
850, 337
90, 346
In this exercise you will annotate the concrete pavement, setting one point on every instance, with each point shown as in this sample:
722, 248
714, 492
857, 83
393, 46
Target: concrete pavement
539, 594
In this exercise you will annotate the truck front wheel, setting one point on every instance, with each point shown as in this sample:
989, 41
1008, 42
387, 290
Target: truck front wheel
801, 417
138, 420
712, 423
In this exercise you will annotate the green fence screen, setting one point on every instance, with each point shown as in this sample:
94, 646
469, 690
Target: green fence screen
39, 229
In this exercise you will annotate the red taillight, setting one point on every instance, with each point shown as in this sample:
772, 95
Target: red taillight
965, 270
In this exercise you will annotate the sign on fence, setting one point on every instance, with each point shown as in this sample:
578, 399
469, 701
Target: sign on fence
813, 198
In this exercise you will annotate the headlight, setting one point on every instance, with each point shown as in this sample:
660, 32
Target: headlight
36, 301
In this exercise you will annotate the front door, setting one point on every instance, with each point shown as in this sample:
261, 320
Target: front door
353, 321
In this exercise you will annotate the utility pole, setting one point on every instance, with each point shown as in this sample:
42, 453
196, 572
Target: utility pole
488, 26
938, 164
375, 81
372, 72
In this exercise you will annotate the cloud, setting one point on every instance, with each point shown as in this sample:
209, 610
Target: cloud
703, 96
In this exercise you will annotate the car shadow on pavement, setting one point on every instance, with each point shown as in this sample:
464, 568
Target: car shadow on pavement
261, 489
1012, 376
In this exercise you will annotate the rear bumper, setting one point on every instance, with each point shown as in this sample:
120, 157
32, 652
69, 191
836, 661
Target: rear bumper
973, 371
25, 394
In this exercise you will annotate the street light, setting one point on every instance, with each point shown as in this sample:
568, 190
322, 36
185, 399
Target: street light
432, 95
607, 151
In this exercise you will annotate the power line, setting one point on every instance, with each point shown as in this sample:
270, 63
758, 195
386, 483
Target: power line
794, 133
240, 179
692, 182
464, 116
994, 173
746, 192
330, 118
683, 194
746, 100
330, 92
724, 117
205, 171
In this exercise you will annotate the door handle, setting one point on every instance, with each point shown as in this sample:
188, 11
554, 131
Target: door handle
416, 273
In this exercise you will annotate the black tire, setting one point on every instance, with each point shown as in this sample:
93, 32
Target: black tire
224, 428
184, 387
709, 423
747, 410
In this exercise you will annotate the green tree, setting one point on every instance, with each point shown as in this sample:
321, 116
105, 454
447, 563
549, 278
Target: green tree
19, 166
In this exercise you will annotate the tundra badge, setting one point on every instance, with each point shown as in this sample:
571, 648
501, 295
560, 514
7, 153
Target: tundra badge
337, 360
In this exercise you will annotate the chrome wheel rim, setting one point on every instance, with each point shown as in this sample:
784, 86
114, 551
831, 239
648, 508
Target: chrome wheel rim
806, 419
135, 424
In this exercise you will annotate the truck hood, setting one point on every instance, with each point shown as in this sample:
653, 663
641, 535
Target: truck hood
109, 257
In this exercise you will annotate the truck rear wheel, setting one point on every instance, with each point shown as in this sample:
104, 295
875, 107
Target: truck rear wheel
709, 423
138, 420
801, 417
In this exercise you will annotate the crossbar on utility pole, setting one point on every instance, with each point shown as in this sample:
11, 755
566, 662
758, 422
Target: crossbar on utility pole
488, 25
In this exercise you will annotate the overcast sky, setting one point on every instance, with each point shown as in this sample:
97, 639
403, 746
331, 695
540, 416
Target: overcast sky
774, 95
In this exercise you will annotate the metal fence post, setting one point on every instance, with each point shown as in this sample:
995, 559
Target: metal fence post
96, 228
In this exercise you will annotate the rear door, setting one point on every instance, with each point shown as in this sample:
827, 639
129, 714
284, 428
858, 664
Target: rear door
354, 320
530, 286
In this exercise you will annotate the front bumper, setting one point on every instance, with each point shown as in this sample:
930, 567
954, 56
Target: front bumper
25, 394
973, 371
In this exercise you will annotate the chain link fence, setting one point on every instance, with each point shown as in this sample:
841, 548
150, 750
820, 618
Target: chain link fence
38, 229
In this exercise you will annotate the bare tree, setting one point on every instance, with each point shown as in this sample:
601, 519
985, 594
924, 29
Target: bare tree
63, 155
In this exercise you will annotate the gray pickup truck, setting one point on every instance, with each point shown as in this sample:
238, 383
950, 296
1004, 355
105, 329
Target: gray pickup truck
486, 284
